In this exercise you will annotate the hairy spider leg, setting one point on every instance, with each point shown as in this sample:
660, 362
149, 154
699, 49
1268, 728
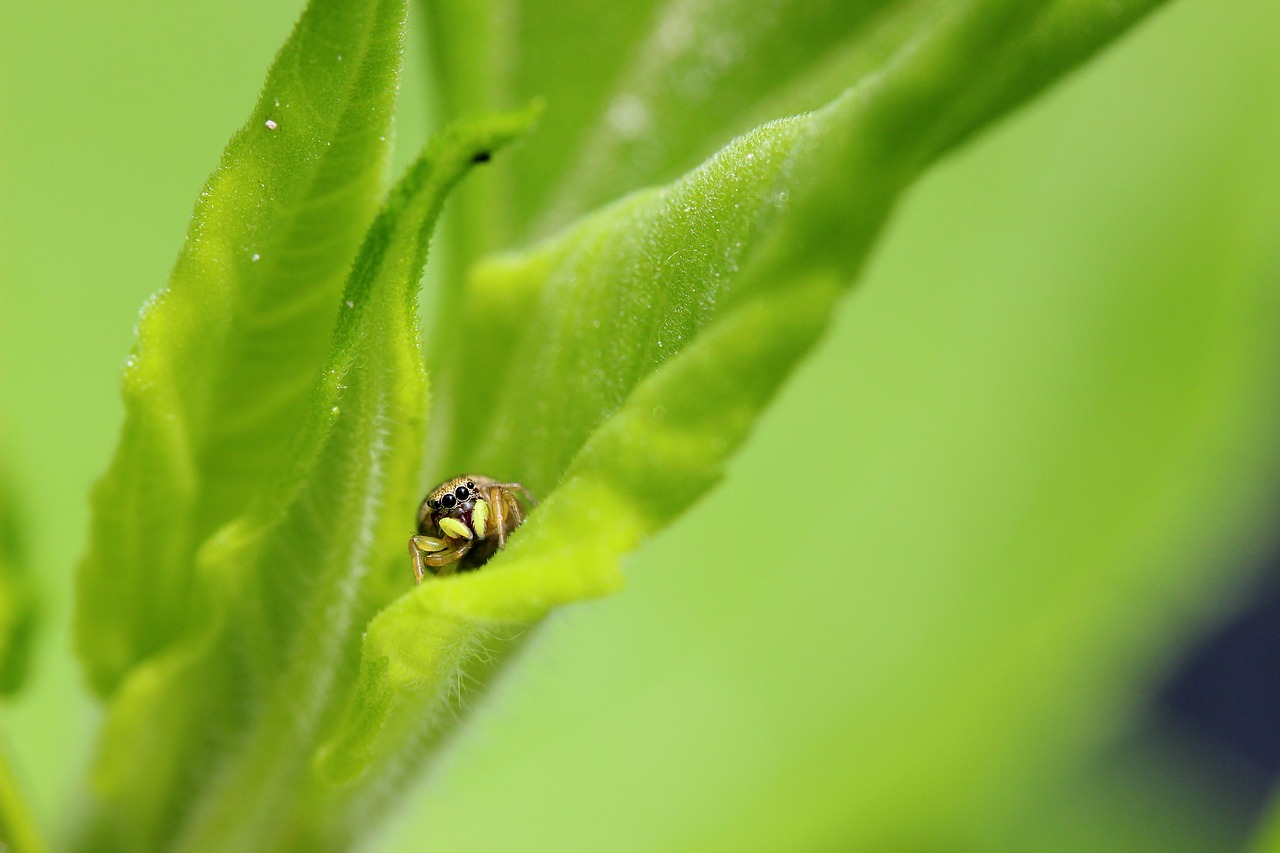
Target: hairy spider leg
428, 552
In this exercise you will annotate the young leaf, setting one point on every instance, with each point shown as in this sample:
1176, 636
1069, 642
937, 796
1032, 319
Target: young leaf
228, 721
625, 359
227, 351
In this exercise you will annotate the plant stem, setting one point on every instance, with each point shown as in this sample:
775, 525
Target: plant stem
18, 828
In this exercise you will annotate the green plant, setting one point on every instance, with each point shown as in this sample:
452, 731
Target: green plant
271, 680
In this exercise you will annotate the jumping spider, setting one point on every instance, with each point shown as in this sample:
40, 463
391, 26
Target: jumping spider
463, 522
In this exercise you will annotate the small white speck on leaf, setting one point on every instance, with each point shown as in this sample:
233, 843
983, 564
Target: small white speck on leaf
350, 304
256, 257
271, 125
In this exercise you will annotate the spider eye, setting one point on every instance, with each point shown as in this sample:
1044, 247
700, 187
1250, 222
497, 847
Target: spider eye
470, 485
433, 504
447, 501
461, 492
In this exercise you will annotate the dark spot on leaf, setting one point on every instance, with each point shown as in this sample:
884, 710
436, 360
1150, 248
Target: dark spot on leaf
482, 157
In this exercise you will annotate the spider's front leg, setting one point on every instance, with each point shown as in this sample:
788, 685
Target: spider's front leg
428, 552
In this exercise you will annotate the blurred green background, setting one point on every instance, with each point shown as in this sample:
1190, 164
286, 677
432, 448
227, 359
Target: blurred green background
1045, 425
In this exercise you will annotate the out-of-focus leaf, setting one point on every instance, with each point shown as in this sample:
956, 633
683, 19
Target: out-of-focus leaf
227, 721
614, 368
227, 352
672, 81
18, 604
491, 54
18, 830
1141, 802
18, 612
705, 72
697, 79
574, 325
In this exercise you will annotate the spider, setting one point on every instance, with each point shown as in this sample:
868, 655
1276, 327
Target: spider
463, 522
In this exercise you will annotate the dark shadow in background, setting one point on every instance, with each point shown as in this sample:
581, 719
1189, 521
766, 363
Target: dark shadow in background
1225, 697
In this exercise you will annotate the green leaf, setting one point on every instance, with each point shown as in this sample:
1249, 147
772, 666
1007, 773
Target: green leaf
227, 351
585, 329
18, 599
491, 54
18, 621
846, 51
696, 79
228, 720
673, 81
19, 832
624, 360
670, 83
